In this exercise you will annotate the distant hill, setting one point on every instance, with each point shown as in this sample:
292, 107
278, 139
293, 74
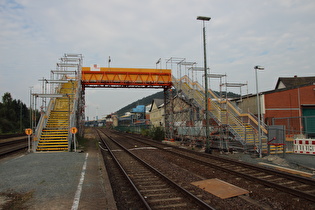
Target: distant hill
144, 101
159, 95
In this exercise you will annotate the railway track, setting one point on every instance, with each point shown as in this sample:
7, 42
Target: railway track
12, 143
266, 182
7, 136
296, 185
150, 189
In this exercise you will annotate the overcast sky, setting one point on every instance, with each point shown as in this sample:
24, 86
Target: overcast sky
277, 34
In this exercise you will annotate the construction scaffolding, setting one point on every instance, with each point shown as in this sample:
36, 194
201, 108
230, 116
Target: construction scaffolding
228, 125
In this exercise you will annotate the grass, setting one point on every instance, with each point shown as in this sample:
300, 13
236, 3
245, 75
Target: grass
82, 142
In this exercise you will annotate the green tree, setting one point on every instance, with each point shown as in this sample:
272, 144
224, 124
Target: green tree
14, 115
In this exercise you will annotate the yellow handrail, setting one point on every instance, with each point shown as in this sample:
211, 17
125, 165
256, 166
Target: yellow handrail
228, 103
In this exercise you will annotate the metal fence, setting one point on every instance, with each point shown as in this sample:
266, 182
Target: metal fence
297, 126
133, 128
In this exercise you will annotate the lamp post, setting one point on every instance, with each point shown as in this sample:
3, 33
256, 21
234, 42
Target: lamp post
258, 110
203, 19
31, 114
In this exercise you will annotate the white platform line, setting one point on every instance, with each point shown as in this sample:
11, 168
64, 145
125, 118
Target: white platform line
77, 196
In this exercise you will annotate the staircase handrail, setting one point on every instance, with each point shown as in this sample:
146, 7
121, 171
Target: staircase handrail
78, 90
73, 113
38, 131
233, 110
75, 103
42, 123
215, 107
256, 118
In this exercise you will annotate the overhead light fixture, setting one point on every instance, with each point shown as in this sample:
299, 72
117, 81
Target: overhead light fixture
203, 18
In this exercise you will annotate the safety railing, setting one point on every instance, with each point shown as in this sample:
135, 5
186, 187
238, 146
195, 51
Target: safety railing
42, 123
74, 112
243, 126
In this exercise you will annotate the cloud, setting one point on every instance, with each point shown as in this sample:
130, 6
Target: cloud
241, 34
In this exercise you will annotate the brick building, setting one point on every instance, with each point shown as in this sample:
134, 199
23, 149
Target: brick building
291, 103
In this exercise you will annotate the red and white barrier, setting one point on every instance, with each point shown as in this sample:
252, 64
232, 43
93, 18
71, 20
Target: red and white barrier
304, 146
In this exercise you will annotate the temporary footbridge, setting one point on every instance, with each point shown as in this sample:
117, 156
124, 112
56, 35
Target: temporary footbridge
63, 102
64, 113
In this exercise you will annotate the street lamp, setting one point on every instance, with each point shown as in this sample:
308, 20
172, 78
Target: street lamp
203, 19
258, 110
31, 114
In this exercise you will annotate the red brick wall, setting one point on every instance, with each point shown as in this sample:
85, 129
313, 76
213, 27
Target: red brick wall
287, 104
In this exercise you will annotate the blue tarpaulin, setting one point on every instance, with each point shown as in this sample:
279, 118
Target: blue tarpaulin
138, 109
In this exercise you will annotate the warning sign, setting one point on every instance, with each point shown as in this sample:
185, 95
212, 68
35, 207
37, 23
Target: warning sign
28, 131
74, 130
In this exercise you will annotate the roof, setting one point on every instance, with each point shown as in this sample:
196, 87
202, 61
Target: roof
158, 102
289, 82
285, 83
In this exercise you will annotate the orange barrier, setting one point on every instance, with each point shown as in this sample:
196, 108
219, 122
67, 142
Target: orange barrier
127, 77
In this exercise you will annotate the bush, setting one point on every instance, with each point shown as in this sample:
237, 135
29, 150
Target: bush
157, 133
145, 132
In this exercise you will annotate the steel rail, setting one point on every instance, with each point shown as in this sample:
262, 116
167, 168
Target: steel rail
123, 170
7, 136
293, 177
252, 166
198, 201
253, 178
7, 147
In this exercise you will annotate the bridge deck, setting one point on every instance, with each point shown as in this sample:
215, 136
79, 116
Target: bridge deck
127, 77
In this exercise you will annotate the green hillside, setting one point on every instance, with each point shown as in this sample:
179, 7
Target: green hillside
159, 95
144, 101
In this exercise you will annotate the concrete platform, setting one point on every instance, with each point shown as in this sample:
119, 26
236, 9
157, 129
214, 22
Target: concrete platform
59, 180
301, 162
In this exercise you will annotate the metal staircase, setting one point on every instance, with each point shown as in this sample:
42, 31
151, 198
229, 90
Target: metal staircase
54, 136
243, 126
65, 105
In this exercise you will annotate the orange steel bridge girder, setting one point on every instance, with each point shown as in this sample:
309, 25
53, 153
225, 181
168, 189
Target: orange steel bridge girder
127, 78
